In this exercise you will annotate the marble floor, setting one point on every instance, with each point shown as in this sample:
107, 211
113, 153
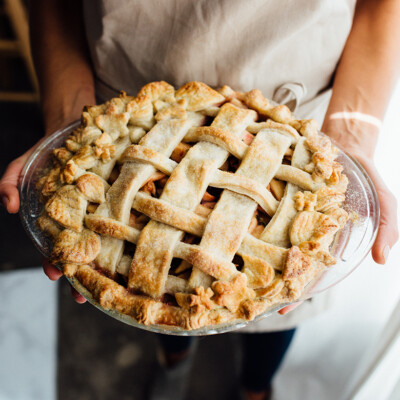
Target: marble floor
52, 348
28, 336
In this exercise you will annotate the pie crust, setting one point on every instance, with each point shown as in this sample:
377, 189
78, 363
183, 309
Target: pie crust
193, 207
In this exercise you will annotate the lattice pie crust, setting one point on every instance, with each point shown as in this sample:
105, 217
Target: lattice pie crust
193, 207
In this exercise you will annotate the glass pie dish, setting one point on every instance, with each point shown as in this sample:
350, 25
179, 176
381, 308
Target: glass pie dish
350, 246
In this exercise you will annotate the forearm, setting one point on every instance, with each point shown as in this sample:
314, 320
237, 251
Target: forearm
61, 59
366, 75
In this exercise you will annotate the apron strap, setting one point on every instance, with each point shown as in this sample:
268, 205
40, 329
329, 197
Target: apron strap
290, 94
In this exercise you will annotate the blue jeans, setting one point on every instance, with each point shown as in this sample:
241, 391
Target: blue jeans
262, 355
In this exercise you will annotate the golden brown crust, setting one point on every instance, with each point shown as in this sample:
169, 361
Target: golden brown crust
175, 110
250, 308
114, 124
48, 226
67, 207
305, 201
62, 155
198, 96
163, 198
104, 149
256, 101
259, 273
297, 264
272, 290
312, 226
198, 302
141, 111
157, 90
74, 247
306, 127
231, 293
52, 182
110, 227
92, 187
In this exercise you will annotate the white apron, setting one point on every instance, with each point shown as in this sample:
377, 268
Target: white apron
288, 49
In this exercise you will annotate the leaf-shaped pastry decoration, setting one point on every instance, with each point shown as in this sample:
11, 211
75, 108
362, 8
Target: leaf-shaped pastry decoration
140, 111
271, 290
157, 90
67, 207
199, 301
76, 247
339, 215
62, 155
231, 293
48, 226
259, 273
297, 264
114, 125
312, 226
176, 110
198, 96
52, 182
92, 187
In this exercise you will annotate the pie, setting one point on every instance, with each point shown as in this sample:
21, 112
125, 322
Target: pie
193, 207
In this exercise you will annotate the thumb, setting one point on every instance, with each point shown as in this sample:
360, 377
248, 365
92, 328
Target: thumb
388, 231
9, 194
289, 308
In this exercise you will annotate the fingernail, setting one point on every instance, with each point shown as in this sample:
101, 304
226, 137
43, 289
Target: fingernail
386, 251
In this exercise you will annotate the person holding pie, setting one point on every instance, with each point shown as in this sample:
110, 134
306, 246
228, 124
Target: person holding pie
336, 62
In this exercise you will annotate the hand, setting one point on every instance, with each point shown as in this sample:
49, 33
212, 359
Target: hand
55, 274
9, 196
359, 139
289, 308
388, 233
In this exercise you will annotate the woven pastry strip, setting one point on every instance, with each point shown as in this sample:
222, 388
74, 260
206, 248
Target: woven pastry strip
277, 230
185, 188
232, 214
221, 179
164, 137
181, 219
278, 219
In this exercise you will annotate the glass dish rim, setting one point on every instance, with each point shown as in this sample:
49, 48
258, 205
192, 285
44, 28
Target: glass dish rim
207, 330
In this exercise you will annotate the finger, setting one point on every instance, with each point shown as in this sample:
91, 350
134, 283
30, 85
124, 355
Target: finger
388, 231
9, 194
51, 271
77, 296
289, 308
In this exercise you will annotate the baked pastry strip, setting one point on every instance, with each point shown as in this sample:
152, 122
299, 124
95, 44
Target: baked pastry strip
163, 137
227, 180
298, 177
181, 219
221, 179
185, 188
209, 263
173, 285
104, 169
271, 274
111, 295
283, 129
232, 214
289, 173
277, 230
